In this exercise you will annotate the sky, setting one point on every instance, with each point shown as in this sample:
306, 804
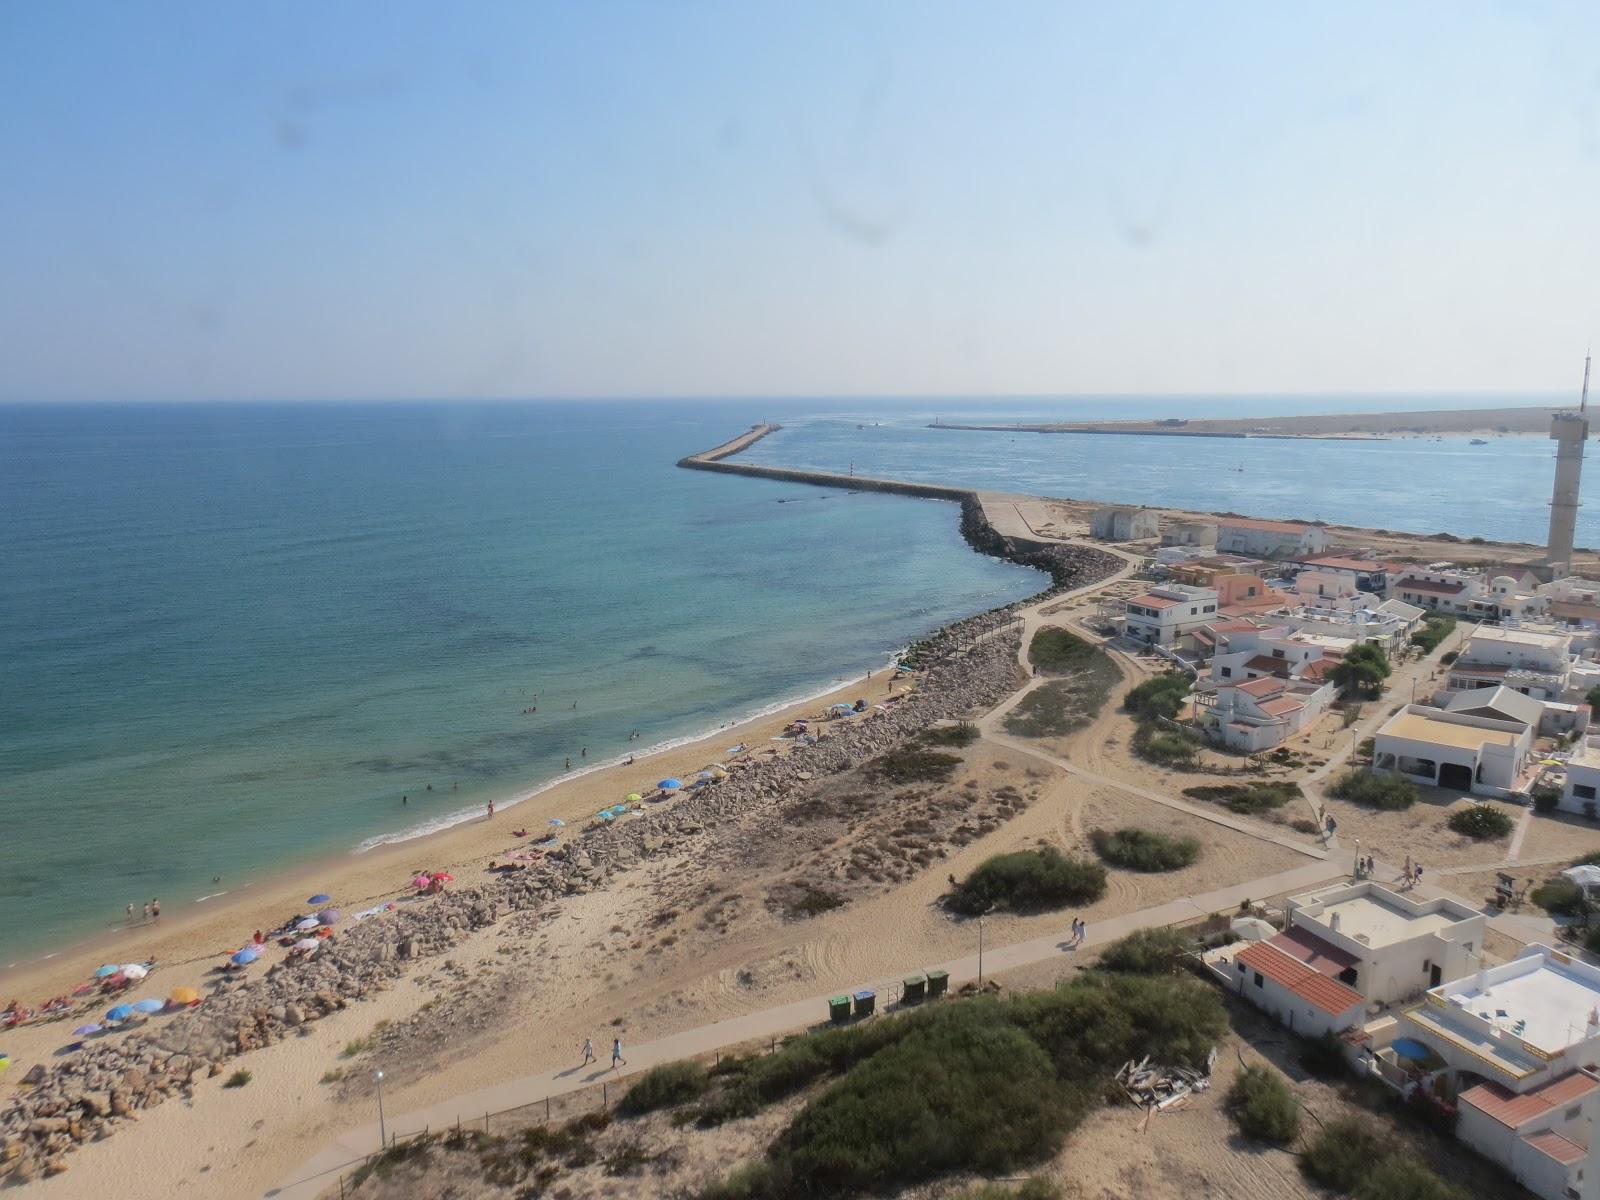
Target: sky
651, 199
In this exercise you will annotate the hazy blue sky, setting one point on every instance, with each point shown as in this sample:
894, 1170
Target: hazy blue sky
394, 199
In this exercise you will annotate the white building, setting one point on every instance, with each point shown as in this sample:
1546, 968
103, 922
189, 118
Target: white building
1122, 523
1200, 534
1164, 614
1535, 664
1481, 755
1256, 714
1299, 994
1519, 1041
1269, 539
1354, 619
1437, 589
1408, 615
1386, 945
1359, 573
1580, 793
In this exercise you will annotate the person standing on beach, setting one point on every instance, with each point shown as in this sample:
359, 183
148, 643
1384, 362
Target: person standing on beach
588, 1052
147, 910
616, 1053
155, 908
491, 810
129, 912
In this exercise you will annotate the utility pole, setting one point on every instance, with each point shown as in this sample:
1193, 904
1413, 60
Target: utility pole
383, 1132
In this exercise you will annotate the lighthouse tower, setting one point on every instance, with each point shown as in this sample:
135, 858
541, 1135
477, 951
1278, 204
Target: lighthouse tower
1569, 430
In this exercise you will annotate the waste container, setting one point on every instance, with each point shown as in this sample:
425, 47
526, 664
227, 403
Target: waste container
913, 988
938, 983
838, 1009
866, 999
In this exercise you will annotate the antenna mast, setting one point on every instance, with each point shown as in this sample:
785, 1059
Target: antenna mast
1583, 404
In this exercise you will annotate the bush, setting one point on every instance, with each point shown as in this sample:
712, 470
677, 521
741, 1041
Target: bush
1162, 696
1545, 799
1387, 792
1399, 1177
238, 1079
1059, 707
1164, 747
1434, 630
963, 733
1035, 1188
1343, 1153
1323, 1057
1154, 951
665, 1086
1143, 850
912, 764
1263, 1106
1247, 798
1055, 651
1449, 656
1560, 896
1481, 822
1027, 881
983, 1098
1361, 672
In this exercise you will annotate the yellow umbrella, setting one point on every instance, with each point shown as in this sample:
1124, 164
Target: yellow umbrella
184, 995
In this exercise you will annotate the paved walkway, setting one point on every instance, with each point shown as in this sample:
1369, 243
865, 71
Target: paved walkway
321, 1171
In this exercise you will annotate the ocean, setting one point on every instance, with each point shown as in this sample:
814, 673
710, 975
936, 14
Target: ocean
232, 636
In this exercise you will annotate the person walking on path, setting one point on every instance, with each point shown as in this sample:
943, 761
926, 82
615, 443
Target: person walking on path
1083, 931
588, 1052
616, 1053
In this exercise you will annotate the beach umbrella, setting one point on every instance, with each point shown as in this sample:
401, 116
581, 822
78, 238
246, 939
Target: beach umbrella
444, 877
328, 916
607, 815
557, 821
1584, 875
704, 775
184, 995
108, 969
1252, 929
134, 970
120, 1013
312, 922
319, 898
837, 707
86, 1030
245, 957
635, 797
667, 785
307, 944
421, 881
149, 1005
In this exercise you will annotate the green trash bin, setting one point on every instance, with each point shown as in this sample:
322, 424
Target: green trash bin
938, 983
838, 1009
866, 1001
913, 988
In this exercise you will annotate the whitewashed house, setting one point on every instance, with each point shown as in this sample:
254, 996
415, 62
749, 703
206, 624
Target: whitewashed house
1198, 534
1123, 523
1535, 664
1257, 714
1269, 539
1164, 614
1481, 755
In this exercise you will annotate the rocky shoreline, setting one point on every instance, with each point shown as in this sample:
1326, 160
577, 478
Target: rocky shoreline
965, 668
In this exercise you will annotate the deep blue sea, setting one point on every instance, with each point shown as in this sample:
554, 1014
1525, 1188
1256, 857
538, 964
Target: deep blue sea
233, 635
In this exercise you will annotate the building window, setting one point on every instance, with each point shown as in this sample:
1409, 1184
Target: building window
1573, 1113
1211, 608
1277, 654
1259, 981
1583, 791
1227, 673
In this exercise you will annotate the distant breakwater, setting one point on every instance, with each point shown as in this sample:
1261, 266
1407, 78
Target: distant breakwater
1147, 432
1068, 565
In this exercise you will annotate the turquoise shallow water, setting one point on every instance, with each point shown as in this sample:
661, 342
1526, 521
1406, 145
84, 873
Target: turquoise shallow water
233, 636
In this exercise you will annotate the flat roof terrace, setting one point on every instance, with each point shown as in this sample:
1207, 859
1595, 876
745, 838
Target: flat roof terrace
1554, 1001
1417, 727
1368, 919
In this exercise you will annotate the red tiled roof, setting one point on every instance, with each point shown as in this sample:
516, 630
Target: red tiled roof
1512, 1110
1266, 686
1317, 990
1281, 706
1149, 601
1564, 1150
1428, 586
1317, 953
1265, 662
1318, 671
1267, 526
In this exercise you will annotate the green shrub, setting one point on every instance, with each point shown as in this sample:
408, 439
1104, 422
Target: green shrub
1144, 850
1263, 1106
984, 1098
1062, 705
1344, 1152
1559, 895
963, 733
1156, 950
1387, 792
1361, 672
1162, 696
1102, 1019
1434, 630
1481, 822
1545, 799
666, 1086
1247, 798
1588, 860
1323, 1057
1400, 1177
238, 1079
1164, 747
1027, 881
913, 764
1055, 651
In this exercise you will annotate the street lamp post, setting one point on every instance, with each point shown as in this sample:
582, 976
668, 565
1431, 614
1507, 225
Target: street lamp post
981, 916
383, 1132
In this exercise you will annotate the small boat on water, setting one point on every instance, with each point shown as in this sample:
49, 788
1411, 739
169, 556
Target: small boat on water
1478, 442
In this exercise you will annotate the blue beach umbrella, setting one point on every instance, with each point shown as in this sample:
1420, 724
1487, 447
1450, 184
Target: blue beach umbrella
108, 969
557, 821
245, 957
120, 1013
667, 785
319, 898
149, 1006
86, 1030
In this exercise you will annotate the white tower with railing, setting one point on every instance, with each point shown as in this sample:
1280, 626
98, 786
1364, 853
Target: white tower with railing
1569, 430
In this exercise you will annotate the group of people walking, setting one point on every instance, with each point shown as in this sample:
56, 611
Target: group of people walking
616, 1053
